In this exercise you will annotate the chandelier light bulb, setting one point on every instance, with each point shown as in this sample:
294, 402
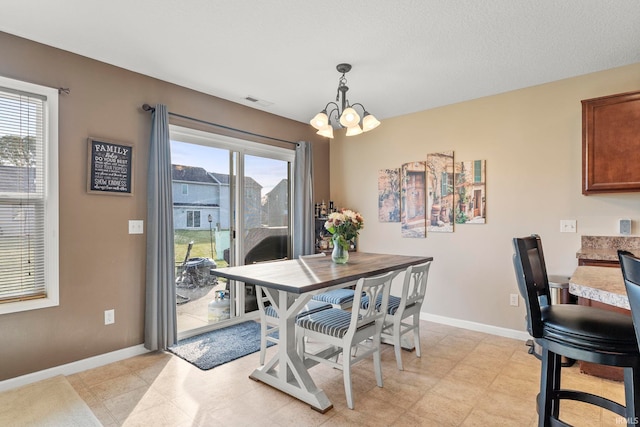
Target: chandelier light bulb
349, 117
326, 131
354, 130
369, 122
320, 120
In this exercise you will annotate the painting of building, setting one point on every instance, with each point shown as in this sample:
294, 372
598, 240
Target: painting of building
440, 192
413, 200
389, 195
470, 192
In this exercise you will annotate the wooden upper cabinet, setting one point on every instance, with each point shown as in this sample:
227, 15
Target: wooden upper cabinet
611, 144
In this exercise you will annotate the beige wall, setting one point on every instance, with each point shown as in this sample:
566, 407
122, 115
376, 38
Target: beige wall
101, 265
531, 140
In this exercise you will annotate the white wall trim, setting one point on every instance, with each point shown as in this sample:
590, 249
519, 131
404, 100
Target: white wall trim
125, 353
480, 327
73, 367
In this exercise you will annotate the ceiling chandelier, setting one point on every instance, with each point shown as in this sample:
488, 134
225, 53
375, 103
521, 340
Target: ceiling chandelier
345, 114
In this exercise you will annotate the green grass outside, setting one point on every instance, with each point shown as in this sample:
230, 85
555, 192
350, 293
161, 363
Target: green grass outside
202, 240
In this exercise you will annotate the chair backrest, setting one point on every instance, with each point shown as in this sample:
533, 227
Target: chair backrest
415, 284
371, 287
533, 283
630, 266
262, 299
261, 295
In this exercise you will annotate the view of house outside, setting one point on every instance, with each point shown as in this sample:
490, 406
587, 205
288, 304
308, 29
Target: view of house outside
202, 219
201, 194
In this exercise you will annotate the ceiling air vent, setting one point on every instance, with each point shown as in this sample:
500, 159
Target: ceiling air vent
260, 102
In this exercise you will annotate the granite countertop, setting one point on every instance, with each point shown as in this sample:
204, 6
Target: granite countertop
597, 254
605, 248
603, 284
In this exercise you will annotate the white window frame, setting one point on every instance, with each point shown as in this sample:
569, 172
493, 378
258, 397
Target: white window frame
241, 146
193, 218
51, 203
236, 172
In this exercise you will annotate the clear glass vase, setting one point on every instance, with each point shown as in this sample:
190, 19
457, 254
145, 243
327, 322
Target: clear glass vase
340, 255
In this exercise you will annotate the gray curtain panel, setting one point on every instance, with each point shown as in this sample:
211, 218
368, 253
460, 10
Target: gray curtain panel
160, 313
303, 220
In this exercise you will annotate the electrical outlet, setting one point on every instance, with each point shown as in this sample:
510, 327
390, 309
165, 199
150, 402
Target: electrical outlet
567, 225
109, 317
625, 227
514, 300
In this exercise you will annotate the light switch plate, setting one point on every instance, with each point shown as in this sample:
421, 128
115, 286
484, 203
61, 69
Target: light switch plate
136, 226
568, 226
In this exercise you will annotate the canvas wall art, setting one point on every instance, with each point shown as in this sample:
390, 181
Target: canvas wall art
389, 195
440, 184
470, 192
412, 204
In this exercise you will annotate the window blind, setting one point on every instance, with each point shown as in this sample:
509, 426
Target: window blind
22, 195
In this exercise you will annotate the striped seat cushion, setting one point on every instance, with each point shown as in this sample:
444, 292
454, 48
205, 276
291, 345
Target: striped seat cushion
394, 303
310, 307
334, 322
336, 296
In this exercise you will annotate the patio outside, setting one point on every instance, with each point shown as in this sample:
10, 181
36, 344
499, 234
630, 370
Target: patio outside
196, 254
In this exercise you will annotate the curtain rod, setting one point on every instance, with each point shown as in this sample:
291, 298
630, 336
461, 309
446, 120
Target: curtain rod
147, 107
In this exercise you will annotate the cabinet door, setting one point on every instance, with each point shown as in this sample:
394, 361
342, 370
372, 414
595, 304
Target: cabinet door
611, 144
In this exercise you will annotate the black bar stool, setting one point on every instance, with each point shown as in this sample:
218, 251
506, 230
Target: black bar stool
577, 332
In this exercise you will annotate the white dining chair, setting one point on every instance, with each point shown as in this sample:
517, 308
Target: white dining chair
269, 316
407, 305
342, 331
338, 298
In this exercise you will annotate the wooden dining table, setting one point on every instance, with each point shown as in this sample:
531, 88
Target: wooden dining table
290, 285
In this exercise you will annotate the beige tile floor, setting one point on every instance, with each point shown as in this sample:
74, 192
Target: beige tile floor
464, 378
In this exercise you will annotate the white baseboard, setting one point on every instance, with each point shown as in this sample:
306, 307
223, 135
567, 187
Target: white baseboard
73, 367
125, 353
480, 327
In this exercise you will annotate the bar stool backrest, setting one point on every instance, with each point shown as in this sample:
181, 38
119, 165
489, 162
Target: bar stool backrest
533, 282
630, 266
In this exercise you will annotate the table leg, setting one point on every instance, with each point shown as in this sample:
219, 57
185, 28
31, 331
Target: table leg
286, 371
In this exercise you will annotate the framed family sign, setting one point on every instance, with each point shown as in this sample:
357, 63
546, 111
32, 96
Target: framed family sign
110, 167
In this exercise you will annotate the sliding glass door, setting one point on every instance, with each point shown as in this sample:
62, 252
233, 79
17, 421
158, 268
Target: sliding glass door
265, 230
231, 206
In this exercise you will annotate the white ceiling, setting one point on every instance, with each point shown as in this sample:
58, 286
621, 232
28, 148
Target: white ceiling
407, 55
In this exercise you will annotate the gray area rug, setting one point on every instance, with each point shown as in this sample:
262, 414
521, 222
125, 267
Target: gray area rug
218, 347
48, 403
